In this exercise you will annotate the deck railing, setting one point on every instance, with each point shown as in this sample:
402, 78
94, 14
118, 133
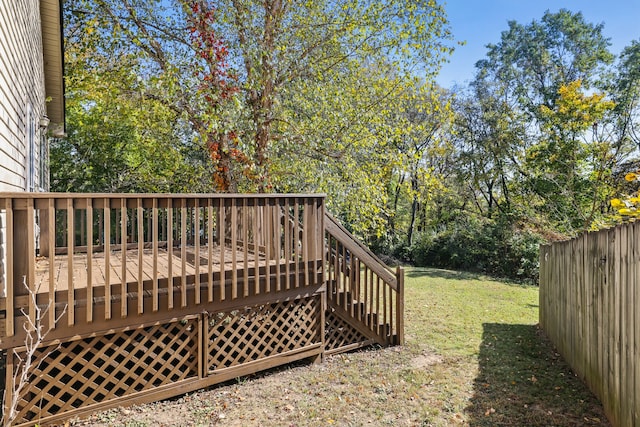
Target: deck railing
104, 257
361, 287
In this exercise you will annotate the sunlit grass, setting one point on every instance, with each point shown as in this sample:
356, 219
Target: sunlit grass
445, 310
473, 356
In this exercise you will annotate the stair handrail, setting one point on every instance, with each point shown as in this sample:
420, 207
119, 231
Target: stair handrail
353, 244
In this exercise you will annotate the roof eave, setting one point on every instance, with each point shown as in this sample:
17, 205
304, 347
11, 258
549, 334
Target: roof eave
53, 55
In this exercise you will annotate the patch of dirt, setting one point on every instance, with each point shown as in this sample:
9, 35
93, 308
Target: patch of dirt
425, 360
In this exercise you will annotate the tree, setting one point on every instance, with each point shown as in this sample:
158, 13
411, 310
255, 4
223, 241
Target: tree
270, 49
540, 71
418, 131
569, 166
118, 139
490, 137
626, 94
537, 59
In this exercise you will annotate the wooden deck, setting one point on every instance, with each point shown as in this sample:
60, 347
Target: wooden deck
148, 296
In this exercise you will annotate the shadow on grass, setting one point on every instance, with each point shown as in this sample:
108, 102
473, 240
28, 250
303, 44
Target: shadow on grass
435, 273
522, 381
418, 272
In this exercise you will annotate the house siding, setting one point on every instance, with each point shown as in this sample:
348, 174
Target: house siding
22, 101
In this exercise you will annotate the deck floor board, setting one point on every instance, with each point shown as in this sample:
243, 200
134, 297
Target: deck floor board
98, 266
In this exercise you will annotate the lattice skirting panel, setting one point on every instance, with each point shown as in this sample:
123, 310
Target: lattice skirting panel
90, 371
146, 363
238, 337
339, 335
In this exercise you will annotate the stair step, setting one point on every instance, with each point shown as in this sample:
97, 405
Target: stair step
370, 319
358, 306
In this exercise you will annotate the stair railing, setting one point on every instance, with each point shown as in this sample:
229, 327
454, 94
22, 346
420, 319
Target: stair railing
361, 287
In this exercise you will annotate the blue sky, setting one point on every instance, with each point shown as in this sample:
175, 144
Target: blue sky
480, 22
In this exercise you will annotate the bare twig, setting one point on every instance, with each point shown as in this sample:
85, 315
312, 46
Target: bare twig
35, 336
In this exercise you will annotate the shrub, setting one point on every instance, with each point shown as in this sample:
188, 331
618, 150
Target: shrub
495, 247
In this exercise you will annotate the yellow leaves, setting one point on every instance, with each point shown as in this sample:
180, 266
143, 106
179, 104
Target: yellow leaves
617, 204
628, 208
574, 110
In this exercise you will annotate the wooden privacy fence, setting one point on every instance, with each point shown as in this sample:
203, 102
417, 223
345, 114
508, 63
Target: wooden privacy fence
148, 296
589, 308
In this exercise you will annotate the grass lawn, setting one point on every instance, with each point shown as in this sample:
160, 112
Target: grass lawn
473, 356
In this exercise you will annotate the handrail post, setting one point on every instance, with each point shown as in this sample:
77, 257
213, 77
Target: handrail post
400, 306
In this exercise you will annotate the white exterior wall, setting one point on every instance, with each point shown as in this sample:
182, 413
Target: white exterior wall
22, 101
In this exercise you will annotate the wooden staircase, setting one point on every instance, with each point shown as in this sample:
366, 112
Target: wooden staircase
365, 298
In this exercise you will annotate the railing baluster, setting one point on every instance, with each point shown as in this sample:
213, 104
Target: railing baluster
377, 304
287, 243
234, 236
277, 237
256, 257
385, 305
70, 241
372, 290
154, 238
320, 246
365, 297
310, 225
296, 241
345, 277
123, 255
196, 238
83, 223
140, 223
268, 237
183, 251
305, 239
89, 224
107, 259
170, 253
51, 238
210, 249
245, 247
31, 260
9, 326
336, 272
400, 306
221, 236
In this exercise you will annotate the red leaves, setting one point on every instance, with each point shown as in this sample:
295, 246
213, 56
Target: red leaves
217, 82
